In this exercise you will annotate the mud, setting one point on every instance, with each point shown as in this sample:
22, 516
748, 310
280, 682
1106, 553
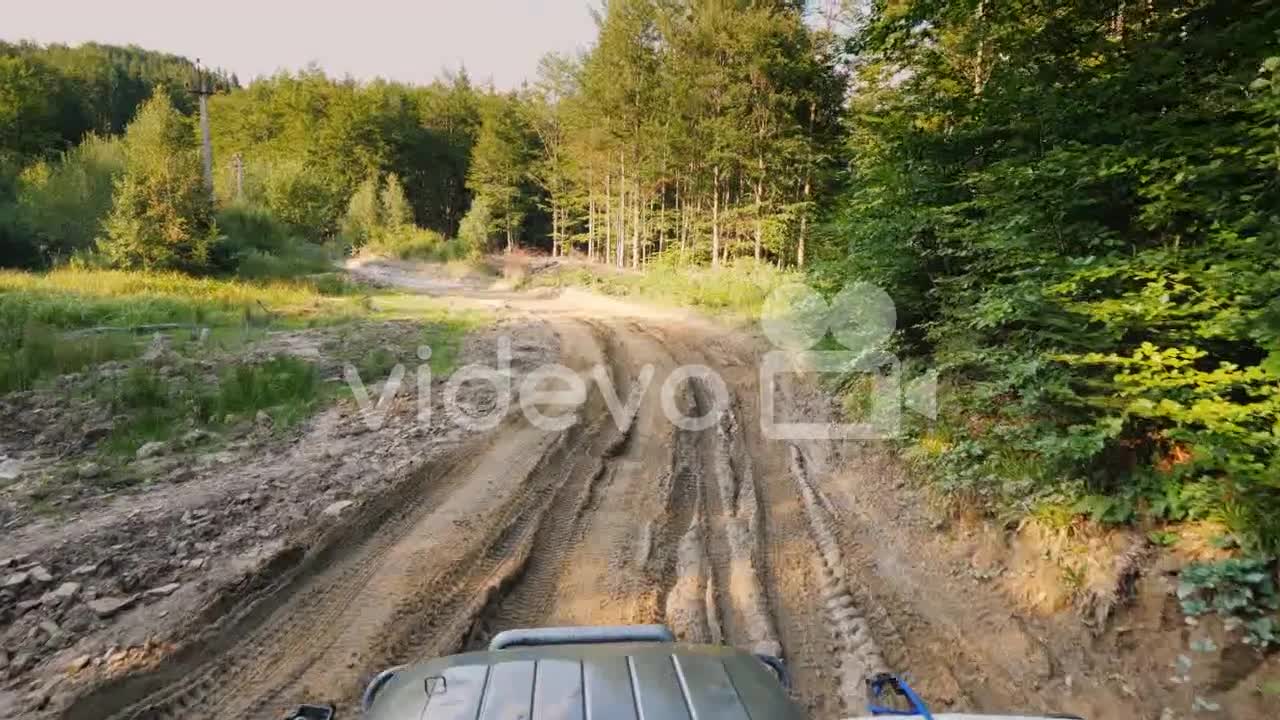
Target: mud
817, 555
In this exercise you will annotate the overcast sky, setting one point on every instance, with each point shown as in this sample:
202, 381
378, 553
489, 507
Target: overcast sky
400, 40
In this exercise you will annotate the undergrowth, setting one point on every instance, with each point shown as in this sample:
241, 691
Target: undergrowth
738, 288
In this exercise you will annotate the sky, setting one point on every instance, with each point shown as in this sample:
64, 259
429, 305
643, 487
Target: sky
401, 40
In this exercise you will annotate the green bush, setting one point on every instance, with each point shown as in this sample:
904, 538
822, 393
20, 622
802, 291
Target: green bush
162, 216
254, 244
409, 243
363, 219
63, 203
304, 198
477, 227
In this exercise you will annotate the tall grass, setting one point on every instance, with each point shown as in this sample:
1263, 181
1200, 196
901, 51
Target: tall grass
38, 310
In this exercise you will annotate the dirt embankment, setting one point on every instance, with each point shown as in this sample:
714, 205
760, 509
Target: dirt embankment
823, 555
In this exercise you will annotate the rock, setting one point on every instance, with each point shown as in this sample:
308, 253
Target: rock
78, 619
263, 419
79, 663
4, 659
50, 628
10, 470
108, 606
16, 579
19, 662
163, 590
67, 590
15, 560
152, 449
89, 471
335, 509
94, 433
193, 437
86, 569
196, 564
40, 575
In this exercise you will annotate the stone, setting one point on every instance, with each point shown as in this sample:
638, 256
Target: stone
16, 579
335, 509
89, 471
15, 560
79, 663
94, 433
152, 449
86, 569
196, 564
163, 590
4, 659
10, 470
78, 619
108, 606
193, 437
50, 628
67, 590
263, 418
40, 575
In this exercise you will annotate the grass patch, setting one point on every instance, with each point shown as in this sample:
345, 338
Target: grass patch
160, 408
737, 289
39, 312
444, 328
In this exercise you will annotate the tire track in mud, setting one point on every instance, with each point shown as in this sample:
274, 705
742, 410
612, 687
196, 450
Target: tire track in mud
301, 625
859, 654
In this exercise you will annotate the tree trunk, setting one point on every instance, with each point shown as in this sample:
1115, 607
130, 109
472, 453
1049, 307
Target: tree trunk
759, 207
715, 221
555, 231
622, 212
608, 217
804, 223
591, 224
635, 226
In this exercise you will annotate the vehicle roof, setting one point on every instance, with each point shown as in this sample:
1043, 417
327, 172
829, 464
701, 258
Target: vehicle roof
641, 681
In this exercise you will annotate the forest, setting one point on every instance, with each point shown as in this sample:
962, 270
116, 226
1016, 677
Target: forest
1075, 206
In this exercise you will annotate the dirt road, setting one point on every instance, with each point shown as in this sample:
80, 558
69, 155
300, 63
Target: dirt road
622, 517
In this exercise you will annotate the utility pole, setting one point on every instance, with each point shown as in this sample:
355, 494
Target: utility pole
203, 91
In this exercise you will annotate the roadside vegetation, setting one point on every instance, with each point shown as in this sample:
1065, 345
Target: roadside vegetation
738, 289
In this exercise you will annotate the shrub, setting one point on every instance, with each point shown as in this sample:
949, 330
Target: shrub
304, 199
364, 214
162, 215
409, 243
63, 203
476, 227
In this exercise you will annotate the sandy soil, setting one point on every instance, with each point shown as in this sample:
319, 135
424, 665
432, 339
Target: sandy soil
818, 553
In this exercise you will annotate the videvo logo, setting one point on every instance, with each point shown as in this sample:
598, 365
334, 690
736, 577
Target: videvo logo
860, 319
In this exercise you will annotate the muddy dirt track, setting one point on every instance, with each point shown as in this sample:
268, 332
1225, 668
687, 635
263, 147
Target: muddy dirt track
621, 517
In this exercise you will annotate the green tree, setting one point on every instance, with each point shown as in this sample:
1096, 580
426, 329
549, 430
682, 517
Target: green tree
396, 213
501, 165
161, 216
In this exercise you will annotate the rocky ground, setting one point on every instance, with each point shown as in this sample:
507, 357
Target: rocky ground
106, 560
